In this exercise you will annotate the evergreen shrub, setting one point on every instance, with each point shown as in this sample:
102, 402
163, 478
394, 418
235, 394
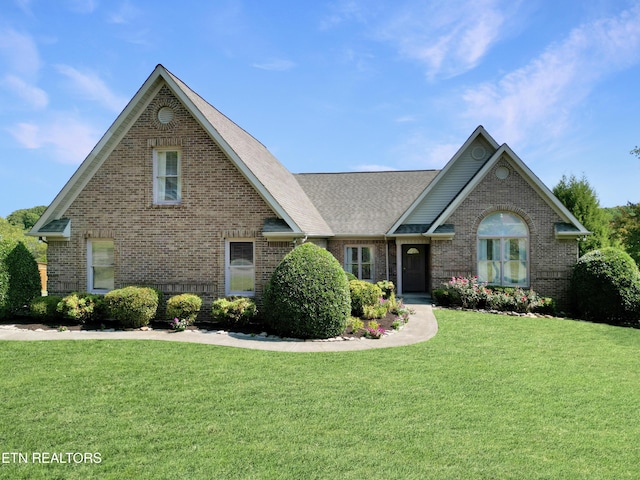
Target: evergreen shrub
19, 278
605, 287
184, 307
82, 307
308, 295
45, 308
237, 311
133, 307
363, 294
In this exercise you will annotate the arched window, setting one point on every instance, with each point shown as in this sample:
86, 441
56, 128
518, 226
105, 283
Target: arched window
503, 250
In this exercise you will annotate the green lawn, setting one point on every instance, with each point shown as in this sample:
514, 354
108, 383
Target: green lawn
489, 397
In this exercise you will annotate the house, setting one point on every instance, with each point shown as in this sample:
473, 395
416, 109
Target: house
177, 196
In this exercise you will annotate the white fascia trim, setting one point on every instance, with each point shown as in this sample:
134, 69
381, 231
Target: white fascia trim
476, 133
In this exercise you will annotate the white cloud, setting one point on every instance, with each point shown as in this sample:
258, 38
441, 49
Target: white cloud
449, 38
20, 52
65, 139
35, 96
93, 87
125, 14
540, 97
277, 65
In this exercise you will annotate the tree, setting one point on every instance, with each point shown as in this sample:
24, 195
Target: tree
26, 218
16, 226
626, 228
582, 201
635, 151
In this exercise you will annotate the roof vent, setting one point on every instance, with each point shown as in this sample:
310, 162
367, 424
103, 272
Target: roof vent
165, 115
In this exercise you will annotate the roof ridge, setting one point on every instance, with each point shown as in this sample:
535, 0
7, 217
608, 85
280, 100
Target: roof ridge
371, 171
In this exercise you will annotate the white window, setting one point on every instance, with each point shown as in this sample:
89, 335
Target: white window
167, 185
240, 267
100, 265
503, 251
359, 261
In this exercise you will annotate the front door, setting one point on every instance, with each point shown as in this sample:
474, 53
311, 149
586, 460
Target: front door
414, 268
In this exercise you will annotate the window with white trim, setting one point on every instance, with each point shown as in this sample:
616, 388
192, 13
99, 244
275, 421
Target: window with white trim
359, 261
100, 265
503, 240
167, 185
240, 275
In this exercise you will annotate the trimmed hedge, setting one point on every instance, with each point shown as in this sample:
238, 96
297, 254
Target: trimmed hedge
363, 294
605, 287
133, 307
184, 307
308, 295
234, 310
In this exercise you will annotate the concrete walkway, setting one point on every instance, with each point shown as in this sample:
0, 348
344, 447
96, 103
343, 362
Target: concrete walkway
421, 327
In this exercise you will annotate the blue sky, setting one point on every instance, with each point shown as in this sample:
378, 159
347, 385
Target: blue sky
335, 85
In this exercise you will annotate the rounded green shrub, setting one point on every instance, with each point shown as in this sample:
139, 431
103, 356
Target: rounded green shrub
308, 295
45, 308
82, 307
184, 307
234, 310
133, 307
605, 287
363, 294
350, 276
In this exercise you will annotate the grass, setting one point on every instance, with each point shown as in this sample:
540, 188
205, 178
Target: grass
489, 397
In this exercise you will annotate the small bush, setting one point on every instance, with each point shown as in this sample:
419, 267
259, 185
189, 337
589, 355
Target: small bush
350, 276
355, 324
45, 308
363, 294
442, 296
234, 310
133, 307
308, 294
605, 287
184, 307
374, 311
81, 307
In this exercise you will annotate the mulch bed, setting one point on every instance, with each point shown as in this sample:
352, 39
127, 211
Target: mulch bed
27, 323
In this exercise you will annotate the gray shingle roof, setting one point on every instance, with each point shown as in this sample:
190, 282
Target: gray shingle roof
275, 178
364, 203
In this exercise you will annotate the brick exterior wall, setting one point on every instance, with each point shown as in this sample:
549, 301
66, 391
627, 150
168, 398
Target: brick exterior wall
176, 248
550, 260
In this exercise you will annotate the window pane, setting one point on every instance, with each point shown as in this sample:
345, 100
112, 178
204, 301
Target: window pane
103, 278
353, 268
515, 273
352, 255
502, 224
366, 255
515, 249
489, 249
170, 189
241, 253
241, 279
489, 272
102, 253
366, 271
171, 163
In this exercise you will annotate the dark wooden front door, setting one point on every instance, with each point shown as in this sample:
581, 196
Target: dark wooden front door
414, 268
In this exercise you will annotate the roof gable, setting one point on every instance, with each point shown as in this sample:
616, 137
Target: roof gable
572, 226
268, 176
467, 161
